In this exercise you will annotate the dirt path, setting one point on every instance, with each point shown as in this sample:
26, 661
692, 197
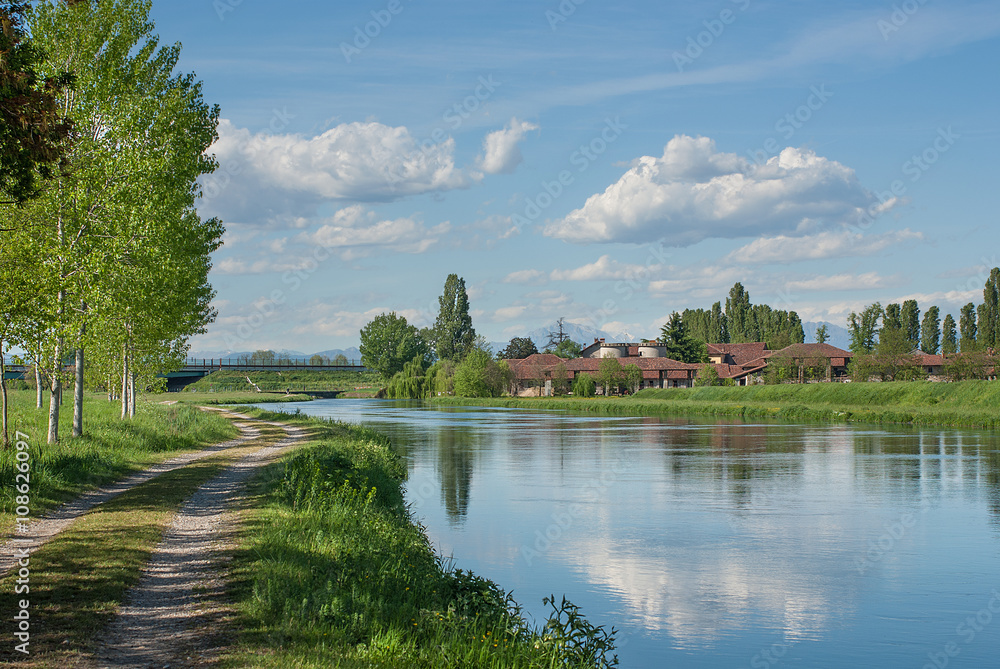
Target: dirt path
39, 532
168, 618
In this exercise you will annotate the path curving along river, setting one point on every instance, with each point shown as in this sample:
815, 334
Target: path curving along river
719, 544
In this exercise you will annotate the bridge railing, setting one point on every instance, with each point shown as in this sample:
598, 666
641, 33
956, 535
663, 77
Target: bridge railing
229, 363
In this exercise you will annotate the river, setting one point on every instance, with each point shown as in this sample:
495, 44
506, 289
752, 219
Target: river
718, 544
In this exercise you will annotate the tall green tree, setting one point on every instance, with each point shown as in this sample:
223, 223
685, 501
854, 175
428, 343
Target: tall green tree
739, 317
930, 331
893, 317
453, 329
910, 316
610, 374
949, 338
34, 132
679, 343
864, 329
519, 348
968, 329
989, 312
389, 342
822, 334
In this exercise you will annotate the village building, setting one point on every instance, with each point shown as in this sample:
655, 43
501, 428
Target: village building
740, 364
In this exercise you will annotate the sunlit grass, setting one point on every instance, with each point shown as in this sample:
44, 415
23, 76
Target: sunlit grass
110, 449
331, 571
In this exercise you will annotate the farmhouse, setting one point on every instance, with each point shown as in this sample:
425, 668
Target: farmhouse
742, 364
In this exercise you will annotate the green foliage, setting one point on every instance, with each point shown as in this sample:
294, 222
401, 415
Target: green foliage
989, 312
479, 375
567, 349
610, 375
892, 360
822, 334
969, 329
708, 375
710, 326
893, 317
910, 317
679, 343
975, 365
738, 314
584, 385
519, 348
930, 331
333, 566
388, 343
453, 331
410, 382
949, 339
864, 328
633, 377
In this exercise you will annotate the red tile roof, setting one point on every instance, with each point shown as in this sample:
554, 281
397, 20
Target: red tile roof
741, 353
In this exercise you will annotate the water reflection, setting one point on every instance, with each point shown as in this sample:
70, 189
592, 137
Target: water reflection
706, 540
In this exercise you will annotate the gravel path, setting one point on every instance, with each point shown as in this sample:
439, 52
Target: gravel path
168, 618
38, 532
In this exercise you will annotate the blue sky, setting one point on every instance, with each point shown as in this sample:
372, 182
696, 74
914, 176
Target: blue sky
606, 162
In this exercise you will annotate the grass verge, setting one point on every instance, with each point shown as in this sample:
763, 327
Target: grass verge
331, 571
231, 398
296, 380
965, 404
110, 450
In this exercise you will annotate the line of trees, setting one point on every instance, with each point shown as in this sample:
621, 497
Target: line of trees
743, 322
105, 260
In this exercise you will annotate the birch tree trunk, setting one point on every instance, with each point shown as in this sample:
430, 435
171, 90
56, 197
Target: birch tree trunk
3, 390
39, 391
125, 375
131, 395
78, 395
56, 397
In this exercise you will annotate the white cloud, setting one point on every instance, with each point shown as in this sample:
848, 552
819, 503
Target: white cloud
606, 269
501, 153
355, 232
505, 314
349, 323
830, 244
363, 162
867, 281
526, 276
693, 193
698, 282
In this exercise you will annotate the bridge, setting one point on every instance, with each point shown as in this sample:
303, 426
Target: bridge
195, 369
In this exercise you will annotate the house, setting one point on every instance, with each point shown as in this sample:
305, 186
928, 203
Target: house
807, 362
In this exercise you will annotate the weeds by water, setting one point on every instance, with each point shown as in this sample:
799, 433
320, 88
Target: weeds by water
333, 571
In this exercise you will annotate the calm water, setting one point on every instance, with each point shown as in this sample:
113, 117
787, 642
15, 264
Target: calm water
719, 545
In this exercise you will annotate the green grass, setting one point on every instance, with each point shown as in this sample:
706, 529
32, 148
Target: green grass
80, 578
964, 404
110, 450
296, 381
331, 571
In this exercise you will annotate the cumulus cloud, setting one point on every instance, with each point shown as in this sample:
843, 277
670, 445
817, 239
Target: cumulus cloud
605, 269
355, 232
501, 150
362, 162
343, 323
867, 281
526, 276
693, 193
830, 244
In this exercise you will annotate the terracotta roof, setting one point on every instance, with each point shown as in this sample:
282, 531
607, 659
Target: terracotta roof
741, 353
811, 351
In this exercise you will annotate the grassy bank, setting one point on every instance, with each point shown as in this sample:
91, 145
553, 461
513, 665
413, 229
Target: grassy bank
301, 380
110, 450
965, 404
331, 571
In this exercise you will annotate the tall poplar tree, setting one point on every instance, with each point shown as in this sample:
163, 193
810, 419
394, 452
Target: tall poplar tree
739, 316
893, 317
989, 312
910, 317
930, 331
864, 328
968, 329
949, 339
454, 334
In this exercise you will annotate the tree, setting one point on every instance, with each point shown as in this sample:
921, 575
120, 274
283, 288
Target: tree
262, 357
568, 349
968, 329
453, 329
557, 336
584, 385
930, 331
910, 316
340, 360
822, 334
560, 379
864, 329
679, 343
479, 375
894, 359
738, 316
989, 312
949, 339
610, 374
388, 343
519, 348
708, 375
633, 377
34, 132
893, 317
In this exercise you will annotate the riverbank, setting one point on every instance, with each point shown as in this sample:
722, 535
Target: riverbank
110, 450
974, 404
331, 570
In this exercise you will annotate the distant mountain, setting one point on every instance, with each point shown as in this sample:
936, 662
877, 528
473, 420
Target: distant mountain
839, 336
581, 334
